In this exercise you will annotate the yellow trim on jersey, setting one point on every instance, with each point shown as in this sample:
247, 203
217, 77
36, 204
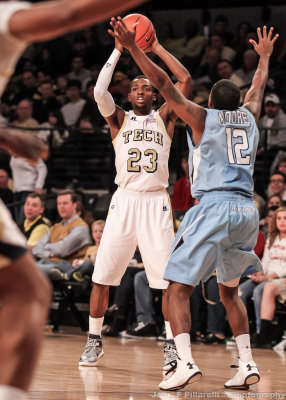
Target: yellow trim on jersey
121, 129
162, 125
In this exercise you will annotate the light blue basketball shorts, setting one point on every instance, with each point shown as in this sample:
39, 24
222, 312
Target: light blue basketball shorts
217, 234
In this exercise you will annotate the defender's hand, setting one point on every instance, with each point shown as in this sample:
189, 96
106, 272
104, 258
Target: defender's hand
265, 44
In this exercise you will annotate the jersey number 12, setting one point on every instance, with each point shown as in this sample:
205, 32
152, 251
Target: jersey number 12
234, 149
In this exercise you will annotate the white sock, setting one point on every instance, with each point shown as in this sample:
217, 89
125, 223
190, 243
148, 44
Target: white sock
12, 393
95, 325
244, 349
183, 345
169, 334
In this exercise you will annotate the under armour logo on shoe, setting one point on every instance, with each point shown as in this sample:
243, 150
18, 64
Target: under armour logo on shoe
190, 365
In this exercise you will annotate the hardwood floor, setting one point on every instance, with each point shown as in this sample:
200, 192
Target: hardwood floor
131, 370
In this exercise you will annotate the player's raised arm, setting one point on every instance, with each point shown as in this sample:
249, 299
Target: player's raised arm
191, 113
264, 48
49, 19
174, 65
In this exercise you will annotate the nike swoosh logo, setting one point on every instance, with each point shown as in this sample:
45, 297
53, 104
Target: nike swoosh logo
148, 39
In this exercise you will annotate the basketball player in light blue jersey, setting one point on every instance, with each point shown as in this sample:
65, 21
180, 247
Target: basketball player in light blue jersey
220, 232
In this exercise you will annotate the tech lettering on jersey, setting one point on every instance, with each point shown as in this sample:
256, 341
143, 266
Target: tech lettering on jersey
139, 135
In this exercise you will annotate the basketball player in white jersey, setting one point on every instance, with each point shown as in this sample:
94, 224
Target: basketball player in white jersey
220, 232
140, 211
24, 292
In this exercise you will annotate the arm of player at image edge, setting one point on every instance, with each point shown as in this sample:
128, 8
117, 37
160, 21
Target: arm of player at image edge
191, 113
23, 144
264, 48
50, 19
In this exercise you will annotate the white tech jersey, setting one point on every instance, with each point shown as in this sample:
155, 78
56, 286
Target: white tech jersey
11, 48
142, 149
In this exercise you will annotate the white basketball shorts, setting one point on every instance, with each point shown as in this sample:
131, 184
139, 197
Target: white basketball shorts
135, 218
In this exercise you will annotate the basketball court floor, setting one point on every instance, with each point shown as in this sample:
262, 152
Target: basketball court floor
131, 370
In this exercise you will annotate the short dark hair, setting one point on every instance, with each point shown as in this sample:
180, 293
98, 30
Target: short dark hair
74, 197
139, 77
35, 195
225, 95
74, 83
277, 172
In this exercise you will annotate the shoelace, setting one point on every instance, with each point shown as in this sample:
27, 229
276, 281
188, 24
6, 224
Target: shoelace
171, 352
91, 345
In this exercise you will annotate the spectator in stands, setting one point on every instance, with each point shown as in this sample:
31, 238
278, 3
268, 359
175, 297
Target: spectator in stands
166, 37
24, 113
246, 72
81, 268
273, 262
6, 194
250, 34
121, 311
272, 125
240, 36
182, 198
207, 296
221, 25
28, 86
47, 103
279, 162
61, 89
71, 111
264, 223
277, 185
274, 200
56, 127
27, 178
35, 225
78, 72
120, 90
146, 324
226, 52
207, 70
225, 71
45, 61
274, 290
94, 72
90, 110
67, 240
189, 47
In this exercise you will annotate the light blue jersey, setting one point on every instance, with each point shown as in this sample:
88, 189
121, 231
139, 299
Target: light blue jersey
221, 231
224, 158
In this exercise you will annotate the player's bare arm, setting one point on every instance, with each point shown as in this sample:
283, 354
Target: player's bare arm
184, 82
191, 113
264, 48
23, 144
50, 19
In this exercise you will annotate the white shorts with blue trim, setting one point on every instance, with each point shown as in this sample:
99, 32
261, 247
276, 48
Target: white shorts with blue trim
217, 234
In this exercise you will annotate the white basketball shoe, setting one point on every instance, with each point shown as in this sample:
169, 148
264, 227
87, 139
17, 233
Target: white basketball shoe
187, 372
246, 375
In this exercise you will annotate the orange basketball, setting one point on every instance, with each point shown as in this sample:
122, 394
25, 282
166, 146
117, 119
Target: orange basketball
145, 31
